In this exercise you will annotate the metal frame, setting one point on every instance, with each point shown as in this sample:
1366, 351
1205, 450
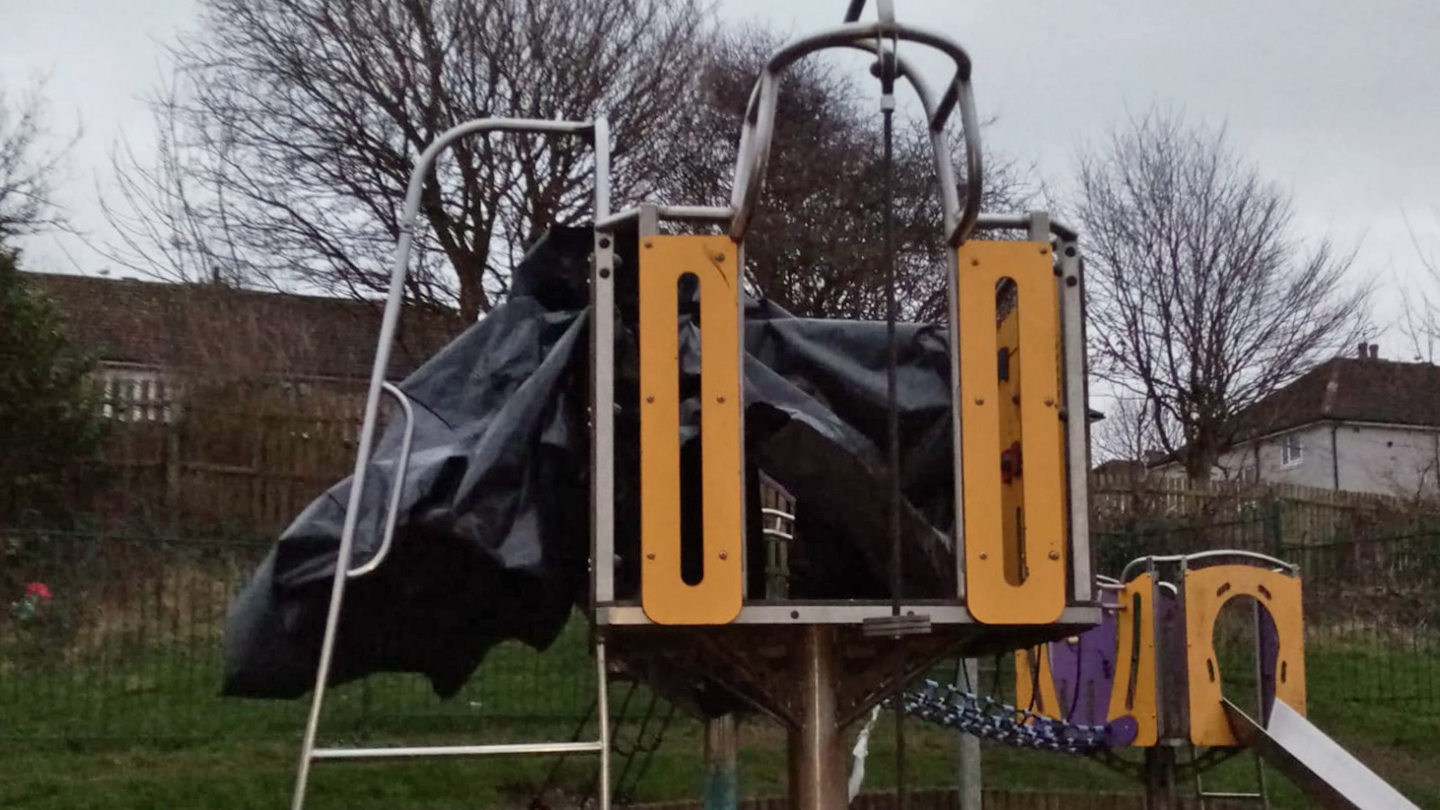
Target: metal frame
598, 133
881, 38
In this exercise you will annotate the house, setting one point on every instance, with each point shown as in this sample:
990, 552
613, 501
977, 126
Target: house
1357, 424
146, 336
229, 409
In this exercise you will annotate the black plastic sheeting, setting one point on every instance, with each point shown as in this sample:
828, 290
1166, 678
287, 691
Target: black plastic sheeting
493, 540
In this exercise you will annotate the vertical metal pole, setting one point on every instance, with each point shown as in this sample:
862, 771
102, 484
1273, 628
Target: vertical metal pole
971, 788
817, 755
1077, 422
722, 745
1260, 707
602, 719
602, 392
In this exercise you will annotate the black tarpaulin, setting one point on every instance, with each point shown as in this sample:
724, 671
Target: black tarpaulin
492, 542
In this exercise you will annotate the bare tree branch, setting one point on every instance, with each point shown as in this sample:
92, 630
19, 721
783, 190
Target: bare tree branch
296, 124
28, 167
1203, 301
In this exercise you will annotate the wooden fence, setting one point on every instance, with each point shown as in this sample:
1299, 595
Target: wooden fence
249, 456
1296, 515
237, 459
993, 800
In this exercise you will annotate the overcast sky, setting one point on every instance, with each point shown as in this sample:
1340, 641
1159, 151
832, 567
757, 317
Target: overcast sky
1337, 100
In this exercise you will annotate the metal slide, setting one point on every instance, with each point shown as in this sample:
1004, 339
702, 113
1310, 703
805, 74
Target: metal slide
1314, 762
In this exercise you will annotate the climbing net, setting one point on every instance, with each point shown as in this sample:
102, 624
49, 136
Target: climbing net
985, 717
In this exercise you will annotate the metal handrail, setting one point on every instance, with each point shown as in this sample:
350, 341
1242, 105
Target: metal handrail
402, 466
1286, 567
759, 127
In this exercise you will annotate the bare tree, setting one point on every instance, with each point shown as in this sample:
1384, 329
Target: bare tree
1203, 300
297, 122
28, 166
814, 246
1421, 320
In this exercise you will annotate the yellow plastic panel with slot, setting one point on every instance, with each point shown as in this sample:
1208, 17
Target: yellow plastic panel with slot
665, 596
1014, 493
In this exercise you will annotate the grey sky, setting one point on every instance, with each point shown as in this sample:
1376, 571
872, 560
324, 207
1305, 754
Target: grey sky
1337, 100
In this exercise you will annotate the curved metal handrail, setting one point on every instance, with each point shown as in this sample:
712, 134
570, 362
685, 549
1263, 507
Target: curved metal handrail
759, 127
402, 466
597, 132
1285, 567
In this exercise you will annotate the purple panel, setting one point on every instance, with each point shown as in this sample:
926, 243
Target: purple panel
1268, 639
1083, 670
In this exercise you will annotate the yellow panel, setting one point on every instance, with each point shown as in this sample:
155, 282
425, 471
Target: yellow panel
1023, 583
666, 598
1206, 592
1047, 704
1135, 652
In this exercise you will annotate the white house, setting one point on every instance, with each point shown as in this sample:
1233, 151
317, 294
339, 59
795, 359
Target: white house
1359, 424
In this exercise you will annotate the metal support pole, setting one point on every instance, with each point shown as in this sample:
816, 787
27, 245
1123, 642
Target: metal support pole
722, 746
817, 752
1160, 778
970, 786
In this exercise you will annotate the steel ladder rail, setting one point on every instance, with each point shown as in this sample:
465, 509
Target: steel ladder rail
598, 133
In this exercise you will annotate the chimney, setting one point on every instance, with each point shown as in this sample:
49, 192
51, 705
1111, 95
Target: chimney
1374, 351
1364, 350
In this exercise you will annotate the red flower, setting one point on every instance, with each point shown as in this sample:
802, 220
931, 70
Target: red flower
39, 589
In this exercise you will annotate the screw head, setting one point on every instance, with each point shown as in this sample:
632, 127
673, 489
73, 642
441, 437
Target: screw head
794, 614
650, 556
649, 399
984, 556
1049, 401
719, 399
1054, 555
974, 262
1044, 251
604, 272
604, 241
724, 555
719, 257
648, 243
979, 400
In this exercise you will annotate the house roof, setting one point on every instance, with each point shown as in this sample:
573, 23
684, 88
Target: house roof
1353, 390
265, 333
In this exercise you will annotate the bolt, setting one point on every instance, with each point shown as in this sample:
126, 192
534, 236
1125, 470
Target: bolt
719, 399
719, 257
1049, 401
604, 272
1071, 281
1044, 250
984, 556
648, 243
979, 401
650, 556
649, 399
604, 241
794, 614
724, 556
1070, 251
1054, 555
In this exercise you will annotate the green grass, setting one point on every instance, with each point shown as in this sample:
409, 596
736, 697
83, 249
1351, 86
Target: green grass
70, 739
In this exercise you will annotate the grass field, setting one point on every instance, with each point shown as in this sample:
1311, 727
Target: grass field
69, 741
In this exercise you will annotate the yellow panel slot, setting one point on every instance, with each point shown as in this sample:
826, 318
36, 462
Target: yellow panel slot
1206, 592
1134, 691
1013, 470
665, 596
1029, 675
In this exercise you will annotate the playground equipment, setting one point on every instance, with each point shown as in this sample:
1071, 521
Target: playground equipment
693, 596
1149, 677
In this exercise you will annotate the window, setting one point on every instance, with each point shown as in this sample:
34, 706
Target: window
136, 394
1292, 451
